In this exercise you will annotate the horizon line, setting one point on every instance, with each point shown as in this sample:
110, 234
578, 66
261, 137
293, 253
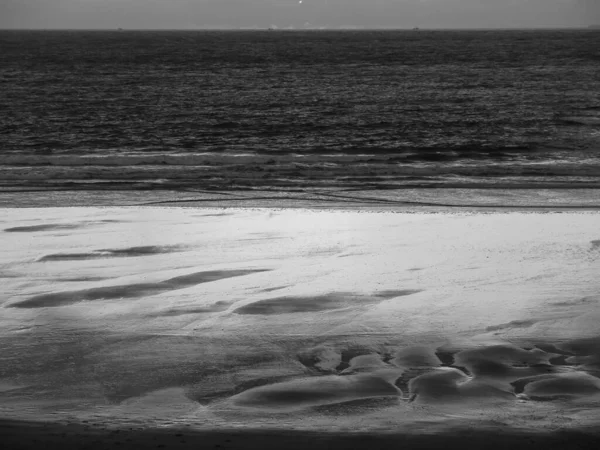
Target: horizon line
315, 28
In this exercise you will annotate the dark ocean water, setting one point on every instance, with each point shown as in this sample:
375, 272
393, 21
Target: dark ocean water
306, 108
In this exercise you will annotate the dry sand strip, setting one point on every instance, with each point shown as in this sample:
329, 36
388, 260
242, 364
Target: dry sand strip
17, 435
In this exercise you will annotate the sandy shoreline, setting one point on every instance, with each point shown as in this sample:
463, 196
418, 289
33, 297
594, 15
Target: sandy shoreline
406, 199
402, 326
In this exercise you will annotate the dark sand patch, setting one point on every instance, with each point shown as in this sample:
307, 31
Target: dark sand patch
366, 363
482, 392
348, 353
82, 279
128, 291
97, 435
563, 386
72, 256
559, 357
45, 227
323, 359
409, 374
263, 236
436, 385
72, 364
274, 289
590, 363
580, 301
502, 365
560, 360
316, 391
215, 307
348, 254
221, 214
335, 300
519, 385
9, 275
584, 352
143, 250
451, 385
288, 305
111, 253
494, 370
512, 324
502, 353
581, 347
596, 244
389, 294
200, 394
357, 407
417, 356
447, 358
549, 347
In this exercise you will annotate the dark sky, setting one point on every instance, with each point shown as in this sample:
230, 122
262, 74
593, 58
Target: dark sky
150, 14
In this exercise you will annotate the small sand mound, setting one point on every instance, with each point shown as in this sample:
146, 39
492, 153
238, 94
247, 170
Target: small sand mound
357, 407
570, 385
502, 353
449, 385
584, 352
45, 227
418, 356
581, 347
334, 300
511, 325
193, 279
290, 305
590, 362
215, 307
366, 363
321, 358
500, 365
437, 385
308, 392
483, 392
145, 250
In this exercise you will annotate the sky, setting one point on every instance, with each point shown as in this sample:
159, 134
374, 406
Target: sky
175, 14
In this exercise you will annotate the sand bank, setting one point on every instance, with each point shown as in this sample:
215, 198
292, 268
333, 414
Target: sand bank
292, 319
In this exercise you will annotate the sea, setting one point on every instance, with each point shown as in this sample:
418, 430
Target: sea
299, 110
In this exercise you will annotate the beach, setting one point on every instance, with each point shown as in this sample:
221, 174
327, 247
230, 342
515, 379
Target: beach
300, 239
264, 320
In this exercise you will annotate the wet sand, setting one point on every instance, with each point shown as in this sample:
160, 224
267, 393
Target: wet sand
290, 327
32, 435
536, 197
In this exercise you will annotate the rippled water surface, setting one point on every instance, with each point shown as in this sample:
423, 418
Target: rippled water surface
238, 108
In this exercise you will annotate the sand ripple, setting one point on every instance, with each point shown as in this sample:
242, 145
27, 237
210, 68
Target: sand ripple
483, 375
136, 290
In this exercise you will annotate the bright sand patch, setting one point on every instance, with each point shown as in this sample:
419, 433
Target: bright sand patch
300, 319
